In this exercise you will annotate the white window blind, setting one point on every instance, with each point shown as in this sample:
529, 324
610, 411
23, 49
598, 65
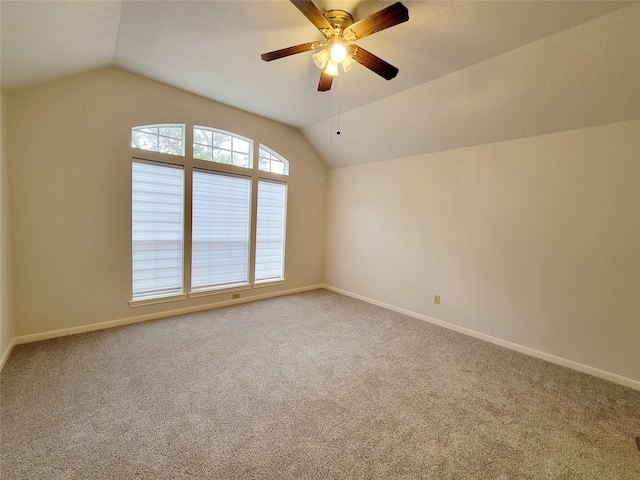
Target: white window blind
220, 230
270, 231
157, 229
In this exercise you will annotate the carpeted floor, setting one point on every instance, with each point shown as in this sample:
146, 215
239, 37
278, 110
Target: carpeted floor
312, 385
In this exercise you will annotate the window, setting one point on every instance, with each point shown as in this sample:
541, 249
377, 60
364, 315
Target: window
167, 138
270, 161
236, 209
157, 230
222, 147
270, 231
220, 231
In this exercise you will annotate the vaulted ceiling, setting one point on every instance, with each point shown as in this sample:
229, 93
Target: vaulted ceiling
470, 72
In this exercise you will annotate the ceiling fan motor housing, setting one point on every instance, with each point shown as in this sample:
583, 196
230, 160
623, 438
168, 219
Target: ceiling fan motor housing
339, 20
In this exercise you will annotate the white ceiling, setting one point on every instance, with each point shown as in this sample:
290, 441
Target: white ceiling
470, 72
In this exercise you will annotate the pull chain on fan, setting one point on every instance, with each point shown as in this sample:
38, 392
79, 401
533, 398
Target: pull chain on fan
338, 30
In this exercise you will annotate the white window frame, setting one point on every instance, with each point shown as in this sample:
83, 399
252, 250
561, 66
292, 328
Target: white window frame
189, 164
231, 151
230, 285
280, 278
158, 126
278, 157
176, 293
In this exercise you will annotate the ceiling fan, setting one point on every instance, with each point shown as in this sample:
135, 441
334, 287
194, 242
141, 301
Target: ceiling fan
338, 30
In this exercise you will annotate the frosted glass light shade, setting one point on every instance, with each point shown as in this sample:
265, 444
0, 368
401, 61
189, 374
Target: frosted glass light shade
347, 63
331, 68
321, 58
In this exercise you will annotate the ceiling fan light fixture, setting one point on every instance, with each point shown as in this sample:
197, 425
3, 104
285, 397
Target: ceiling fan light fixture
338, 52
321, 58
338, 30
331, 68
347, 63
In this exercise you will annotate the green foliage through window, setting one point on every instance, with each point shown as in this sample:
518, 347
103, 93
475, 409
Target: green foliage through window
159, 138
270, 161
222, 147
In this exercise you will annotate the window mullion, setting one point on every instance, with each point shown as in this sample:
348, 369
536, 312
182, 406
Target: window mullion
188, 222
254, 222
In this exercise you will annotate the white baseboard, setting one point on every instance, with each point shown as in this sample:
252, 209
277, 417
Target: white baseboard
35, 337
627, 382
6, 353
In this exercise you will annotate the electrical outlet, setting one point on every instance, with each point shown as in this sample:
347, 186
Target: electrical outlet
436, 299
235, 296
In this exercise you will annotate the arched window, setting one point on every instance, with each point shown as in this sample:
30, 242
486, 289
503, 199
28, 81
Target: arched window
205, 187
270, 161
222, 147
164, 138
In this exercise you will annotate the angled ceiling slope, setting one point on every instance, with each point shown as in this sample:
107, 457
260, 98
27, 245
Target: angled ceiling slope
585, 76
212, 48
44, 41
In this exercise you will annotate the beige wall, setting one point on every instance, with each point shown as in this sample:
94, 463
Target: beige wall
70, 160
534, 241
6, 309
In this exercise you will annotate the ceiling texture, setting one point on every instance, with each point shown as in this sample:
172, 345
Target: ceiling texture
471, 72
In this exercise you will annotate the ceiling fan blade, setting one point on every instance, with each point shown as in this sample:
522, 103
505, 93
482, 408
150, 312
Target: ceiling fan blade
373, 63
325, 82
310, 11
285, 52
385, 18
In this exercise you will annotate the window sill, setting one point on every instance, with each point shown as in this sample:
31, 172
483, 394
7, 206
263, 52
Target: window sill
269, 283
219, 291
205, 293
153, 301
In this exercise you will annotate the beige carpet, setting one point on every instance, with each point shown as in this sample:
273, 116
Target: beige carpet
313, 385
